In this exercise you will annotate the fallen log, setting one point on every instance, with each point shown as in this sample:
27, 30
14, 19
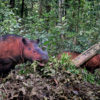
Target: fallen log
86, 55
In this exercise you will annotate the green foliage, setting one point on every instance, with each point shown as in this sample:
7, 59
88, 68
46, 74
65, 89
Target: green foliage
89, 77
97, 75
54, 65
8, 22
51, 67
27, 68
66, 62
80, 20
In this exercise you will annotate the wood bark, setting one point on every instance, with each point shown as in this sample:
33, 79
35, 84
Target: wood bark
48, 9
12, 3
40, 7
86, 55
22, 9
61, 10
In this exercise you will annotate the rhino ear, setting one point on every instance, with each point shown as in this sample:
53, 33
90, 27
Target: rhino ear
37, 41
24, 41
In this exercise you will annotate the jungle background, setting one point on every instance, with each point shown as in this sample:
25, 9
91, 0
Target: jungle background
61, 25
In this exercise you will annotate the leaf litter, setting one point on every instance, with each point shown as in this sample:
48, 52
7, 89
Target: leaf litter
34, 86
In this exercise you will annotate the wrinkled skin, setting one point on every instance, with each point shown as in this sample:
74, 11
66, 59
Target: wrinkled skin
90, 65
15, 49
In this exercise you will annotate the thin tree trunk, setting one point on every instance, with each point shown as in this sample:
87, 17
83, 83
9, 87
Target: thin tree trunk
32, 5
22, 9
12, 3
86, 55
48, 8
78, 11
40, 7
61, 10
77, 24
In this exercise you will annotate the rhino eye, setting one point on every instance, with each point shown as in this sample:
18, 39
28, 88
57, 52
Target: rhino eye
29, 48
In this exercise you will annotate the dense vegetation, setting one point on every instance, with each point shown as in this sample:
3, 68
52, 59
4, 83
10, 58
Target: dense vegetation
60, 24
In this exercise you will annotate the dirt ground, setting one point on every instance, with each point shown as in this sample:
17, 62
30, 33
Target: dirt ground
34, 86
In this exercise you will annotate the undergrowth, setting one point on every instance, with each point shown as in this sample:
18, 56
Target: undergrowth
54, 65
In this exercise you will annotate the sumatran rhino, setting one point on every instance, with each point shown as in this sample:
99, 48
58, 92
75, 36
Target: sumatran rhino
90, 65
15, 49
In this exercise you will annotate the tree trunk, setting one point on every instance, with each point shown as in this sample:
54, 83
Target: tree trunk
40, 7
22, 9
48, 9
86, 55
12, 3
61, 10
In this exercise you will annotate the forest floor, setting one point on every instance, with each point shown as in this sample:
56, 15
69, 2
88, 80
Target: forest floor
62, 86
